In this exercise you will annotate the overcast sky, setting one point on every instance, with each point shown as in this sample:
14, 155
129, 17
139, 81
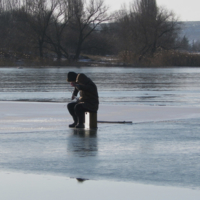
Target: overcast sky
185, 10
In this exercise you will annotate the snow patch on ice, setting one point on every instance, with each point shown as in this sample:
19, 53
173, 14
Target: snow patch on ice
29, 116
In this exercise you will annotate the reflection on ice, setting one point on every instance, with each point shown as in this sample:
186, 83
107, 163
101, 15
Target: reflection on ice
82, 142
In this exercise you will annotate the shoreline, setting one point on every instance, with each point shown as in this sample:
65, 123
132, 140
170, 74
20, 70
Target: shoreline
93, 65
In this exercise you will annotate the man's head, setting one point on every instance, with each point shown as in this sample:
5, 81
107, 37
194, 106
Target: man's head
71, 77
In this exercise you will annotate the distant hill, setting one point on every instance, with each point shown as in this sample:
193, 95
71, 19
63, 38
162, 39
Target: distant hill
191, 29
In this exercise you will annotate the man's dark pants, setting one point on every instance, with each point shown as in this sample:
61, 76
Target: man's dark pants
77, 112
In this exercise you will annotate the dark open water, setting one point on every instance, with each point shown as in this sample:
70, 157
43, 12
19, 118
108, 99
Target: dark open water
116, 85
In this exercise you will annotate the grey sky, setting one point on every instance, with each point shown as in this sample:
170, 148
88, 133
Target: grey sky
185, 10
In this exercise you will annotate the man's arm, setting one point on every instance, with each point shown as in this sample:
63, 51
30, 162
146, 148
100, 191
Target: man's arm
89, 87
75, 92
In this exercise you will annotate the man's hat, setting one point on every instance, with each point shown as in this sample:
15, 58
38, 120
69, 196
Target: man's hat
71, 77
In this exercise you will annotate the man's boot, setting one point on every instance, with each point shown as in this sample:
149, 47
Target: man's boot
81, 119
73, 125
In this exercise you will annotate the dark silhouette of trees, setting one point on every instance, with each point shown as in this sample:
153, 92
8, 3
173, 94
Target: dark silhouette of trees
85, 18
37, 15
57, 31
146, 28
49, 29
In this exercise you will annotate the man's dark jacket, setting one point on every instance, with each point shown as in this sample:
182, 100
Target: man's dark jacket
88, 93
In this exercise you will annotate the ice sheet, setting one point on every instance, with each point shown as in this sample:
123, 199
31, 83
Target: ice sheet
160, 154
42, 187
33, 116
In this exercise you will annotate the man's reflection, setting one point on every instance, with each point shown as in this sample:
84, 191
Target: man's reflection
83, 142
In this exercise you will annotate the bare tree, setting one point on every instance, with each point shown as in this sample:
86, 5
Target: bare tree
7, 23
75, 21
56, 34
86, 16
150, 28
37, 16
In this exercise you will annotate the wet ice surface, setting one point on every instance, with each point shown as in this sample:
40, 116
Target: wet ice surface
163, 153
150, 151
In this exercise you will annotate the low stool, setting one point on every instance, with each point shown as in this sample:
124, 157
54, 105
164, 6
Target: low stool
90, 119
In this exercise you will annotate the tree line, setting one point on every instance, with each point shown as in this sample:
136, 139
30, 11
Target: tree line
47, 29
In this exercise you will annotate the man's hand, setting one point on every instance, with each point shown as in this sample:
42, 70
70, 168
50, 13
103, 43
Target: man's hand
73, 97
73, 84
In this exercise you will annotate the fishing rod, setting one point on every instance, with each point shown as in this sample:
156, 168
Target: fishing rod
116, 122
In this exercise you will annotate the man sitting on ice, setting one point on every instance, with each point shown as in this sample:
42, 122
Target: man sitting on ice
88, 100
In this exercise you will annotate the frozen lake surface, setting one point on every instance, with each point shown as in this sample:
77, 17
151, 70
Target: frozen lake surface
160, 150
